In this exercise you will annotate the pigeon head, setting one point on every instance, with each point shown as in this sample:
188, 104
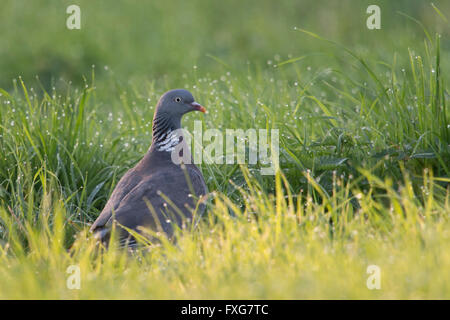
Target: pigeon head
169, 110
176, 103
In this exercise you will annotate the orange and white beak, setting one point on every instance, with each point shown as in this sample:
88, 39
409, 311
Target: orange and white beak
198, 107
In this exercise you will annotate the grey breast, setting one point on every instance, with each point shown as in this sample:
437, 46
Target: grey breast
159, 202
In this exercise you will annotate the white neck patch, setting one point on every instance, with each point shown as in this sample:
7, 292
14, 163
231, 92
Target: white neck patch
169, 142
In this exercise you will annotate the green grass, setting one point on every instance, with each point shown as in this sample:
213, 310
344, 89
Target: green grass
278, 247
364, 150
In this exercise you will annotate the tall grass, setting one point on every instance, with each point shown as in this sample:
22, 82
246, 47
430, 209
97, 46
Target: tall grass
278, 245
363, 179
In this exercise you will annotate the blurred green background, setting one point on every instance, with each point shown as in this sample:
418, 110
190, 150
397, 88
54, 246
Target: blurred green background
151, 39
378, 102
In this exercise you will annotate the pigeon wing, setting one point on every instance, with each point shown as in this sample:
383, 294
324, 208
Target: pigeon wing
157, 202
123, 187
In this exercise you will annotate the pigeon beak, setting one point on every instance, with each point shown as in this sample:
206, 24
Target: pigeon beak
198, 107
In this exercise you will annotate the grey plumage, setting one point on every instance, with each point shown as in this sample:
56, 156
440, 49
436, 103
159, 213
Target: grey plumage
157, 193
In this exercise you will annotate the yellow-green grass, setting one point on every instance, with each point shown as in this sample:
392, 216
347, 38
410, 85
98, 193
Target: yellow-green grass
278, 247
364, 149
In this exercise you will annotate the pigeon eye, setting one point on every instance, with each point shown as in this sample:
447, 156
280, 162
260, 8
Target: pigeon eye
177, 99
